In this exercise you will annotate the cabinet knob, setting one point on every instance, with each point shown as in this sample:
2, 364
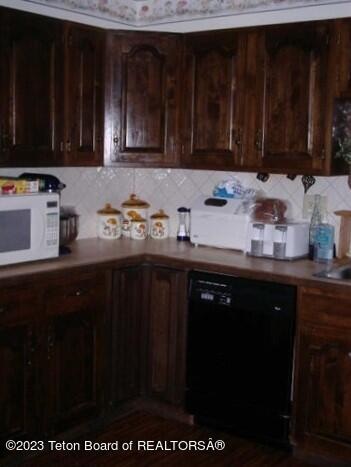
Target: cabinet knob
76, 293
32, 347
258, 140
115, 141
237, 137
68, 146
349, 354
50, 342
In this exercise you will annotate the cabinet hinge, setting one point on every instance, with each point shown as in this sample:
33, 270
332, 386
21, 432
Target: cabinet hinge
323, 154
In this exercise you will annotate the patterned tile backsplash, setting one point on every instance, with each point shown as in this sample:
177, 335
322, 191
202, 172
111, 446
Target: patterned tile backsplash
88, 189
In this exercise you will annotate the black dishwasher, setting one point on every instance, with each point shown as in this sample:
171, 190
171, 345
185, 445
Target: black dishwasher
240, 355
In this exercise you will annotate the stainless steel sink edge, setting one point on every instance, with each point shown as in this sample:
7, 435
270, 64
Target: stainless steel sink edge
342, 272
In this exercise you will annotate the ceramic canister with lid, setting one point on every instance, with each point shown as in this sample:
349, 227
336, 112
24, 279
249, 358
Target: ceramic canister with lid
109, 223
130, 208
159, 228
138, 228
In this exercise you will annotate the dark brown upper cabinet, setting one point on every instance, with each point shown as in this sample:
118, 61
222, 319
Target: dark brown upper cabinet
141, 124
269, 99
291, 88
212, 85
343, 69
341, 125
31, 91
84, 52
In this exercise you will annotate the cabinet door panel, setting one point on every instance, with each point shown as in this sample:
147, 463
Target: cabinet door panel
167, 335
322, 393
74, 363
74, 355
32, 92
211, 106
84, 88
294, 97
126, 334
213, 122
344, 58
143, 69
18, 364
327, 362
73, 334
17, 388
142, 121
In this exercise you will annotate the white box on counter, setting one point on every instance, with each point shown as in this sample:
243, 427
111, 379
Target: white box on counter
219, 222
293, 236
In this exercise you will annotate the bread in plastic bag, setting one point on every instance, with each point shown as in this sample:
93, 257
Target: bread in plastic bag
270, 210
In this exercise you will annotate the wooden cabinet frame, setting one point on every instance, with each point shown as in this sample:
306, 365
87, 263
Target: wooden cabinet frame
208, 100
322, 401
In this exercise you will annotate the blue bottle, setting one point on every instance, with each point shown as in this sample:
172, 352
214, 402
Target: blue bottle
324, 243
316, 220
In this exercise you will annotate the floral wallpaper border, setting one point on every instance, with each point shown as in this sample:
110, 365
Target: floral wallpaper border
143, 12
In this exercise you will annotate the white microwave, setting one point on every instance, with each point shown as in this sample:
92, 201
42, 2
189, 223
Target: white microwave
29, 227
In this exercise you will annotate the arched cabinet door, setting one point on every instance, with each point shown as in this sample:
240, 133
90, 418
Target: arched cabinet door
141, 119
212, 92
295, 96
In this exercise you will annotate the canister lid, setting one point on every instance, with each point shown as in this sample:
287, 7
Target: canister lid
159, 215
108, 209
135, 202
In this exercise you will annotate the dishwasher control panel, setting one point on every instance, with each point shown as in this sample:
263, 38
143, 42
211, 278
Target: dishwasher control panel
247, 294
218, 293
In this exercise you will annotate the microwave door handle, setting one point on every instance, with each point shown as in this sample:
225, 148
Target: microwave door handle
38, 230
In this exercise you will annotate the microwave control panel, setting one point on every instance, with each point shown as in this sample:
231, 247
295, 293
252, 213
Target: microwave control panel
52, 229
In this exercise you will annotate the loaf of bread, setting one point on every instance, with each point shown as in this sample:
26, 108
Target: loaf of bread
269, 210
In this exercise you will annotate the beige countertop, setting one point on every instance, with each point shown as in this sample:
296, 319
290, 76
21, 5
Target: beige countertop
95, 251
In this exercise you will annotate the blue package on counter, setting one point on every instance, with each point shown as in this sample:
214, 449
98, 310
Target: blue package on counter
222, 193
231, 188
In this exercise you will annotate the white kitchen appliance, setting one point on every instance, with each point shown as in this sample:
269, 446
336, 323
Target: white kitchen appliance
29, 227
280, 241
219, 222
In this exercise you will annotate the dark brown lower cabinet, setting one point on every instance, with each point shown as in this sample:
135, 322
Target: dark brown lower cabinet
76, 314
71, 350
18, 363
166, 335
148, 334
127, 345
323, 379
52, 365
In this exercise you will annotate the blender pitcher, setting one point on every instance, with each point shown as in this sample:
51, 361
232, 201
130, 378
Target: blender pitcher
183, 232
